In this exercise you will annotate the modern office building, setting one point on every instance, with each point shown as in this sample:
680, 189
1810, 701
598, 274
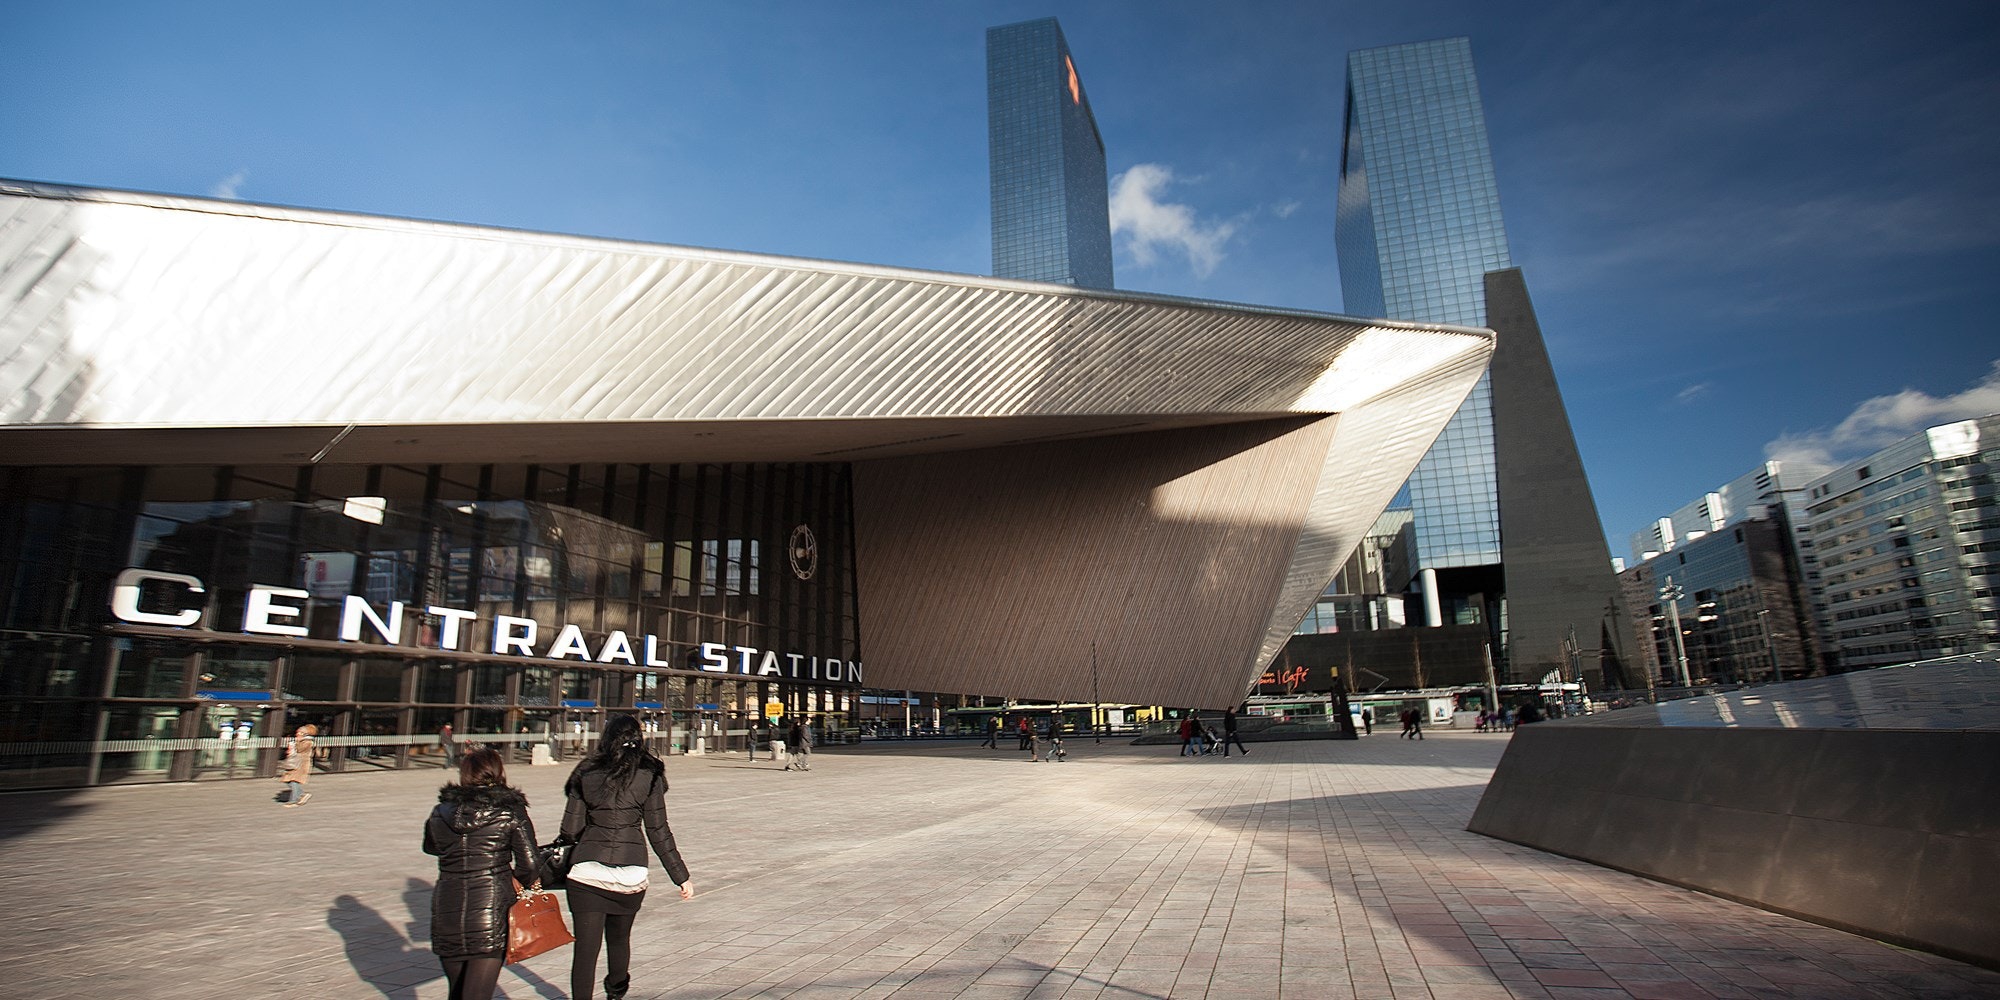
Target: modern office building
1051, 202
1753, 494
1769, 491
262, 466
1908, 541
1420, 237
1418, 227
1740, 604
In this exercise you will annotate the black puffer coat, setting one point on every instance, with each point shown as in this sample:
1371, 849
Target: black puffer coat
483, 840
612, 820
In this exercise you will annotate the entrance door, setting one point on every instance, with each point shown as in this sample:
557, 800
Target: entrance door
228, 733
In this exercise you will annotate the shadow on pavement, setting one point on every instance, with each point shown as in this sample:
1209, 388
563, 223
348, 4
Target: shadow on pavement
378, 952
392, 961
25, 813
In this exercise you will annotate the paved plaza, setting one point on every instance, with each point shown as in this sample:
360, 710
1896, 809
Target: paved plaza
1310, 869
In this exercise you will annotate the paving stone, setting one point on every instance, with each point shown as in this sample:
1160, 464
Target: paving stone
907, 872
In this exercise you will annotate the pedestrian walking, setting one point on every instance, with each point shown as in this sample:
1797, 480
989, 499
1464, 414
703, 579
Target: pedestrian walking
296, 765
1413, 724
798, 741
617, 805
1229, 733
1367, 722
448, 746
1187, 734
992, 733
1027, 733
480, 834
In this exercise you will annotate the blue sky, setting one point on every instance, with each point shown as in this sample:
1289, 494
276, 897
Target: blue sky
1747, 226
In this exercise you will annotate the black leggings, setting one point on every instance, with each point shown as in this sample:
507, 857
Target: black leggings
614, 930
472, 978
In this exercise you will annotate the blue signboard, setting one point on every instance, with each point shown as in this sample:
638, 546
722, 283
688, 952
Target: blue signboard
706, 707
647, 704
207, 695
579, 703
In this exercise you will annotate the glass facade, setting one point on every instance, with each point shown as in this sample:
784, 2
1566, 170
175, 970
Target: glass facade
1051, 204
164, 623
1908, 542
1742, 611
1418, 227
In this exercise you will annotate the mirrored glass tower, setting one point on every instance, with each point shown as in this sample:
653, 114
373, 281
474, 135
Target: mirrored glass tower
1051, 206
1420, 238
1417, 229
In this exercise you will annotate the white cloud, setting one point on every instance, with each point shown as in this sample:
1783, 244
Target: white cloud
1284, 209
1884, 420
1151, 226
1693, 392
227, 187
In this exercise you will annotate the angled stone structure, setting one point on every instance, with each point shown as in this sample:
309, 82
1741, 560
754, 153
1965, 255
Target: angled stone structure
1861, 801
1558, 567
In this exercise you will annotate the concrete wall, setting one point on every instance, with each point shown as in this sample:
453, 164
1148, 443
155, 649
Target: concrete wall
1891, 834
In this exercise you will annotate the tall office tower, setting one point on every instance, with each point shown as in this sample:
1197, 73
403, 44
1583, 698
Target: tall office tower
1420, 237
1417, 228
1051, 204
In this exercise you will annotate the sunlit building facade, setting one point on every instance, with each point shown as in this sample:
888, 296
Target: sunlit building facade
1909, 547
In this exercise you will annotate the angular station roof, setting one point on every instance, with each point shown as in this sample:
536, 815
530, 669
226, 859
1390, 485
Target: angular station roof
150, 329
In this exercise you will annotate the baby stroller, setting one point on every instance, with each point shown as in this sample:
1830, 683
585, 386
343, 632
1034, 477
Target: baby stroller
1212, 743
1056, 751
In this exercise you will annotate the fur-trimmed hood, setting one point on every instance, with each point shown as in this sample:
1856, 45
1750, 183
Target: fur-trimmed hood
468, 807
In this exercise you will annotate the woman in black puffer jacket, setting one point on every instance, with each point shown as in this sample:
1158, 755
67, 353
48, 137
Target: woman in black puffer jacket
617, 803
483, 842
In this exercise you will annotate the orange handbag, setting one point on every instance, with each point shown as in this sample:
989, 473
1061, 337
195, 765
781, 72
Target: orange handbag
535, 925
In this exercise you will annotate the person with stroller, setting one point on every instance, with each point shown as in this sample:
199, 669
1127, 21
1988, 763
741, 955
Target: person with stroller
1229, 733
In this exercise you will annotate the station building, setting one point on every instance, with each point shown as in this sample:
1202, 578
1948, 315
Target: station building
265, 466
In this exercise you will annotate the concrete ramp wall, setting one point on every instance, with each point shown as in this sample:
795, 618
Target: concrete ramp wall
1891, 834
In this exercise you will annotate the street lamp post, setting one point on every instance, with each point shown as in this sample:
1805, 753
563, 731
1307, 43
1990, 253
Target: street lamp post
1096, 706
1573, 659
1671, 595
1770, 647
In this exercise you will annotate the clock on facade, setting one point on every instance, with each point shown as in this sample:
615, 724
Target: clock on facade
804, 552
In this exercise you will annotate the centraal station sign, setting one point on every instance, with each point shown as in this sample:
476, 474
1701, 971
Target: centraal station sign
272, 610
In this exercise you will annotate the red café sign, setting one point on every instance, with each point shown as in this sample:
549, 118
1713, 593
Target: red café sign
1289, 678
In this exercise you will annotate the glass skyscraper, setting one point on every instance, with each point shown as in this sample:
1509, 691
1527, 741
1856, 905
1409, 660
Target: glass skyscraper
1418, 228
1051, 205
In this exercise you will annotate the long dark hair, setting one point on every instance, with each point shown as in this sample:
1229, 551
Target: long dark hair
483, 766
620, 752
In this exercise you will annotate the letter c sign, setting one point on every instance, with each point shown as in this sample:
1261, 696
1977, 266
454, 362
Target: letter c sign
125, 597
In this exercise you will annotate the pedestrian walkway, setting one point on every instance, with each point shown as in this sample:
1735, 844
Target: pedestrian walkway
1305, 870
